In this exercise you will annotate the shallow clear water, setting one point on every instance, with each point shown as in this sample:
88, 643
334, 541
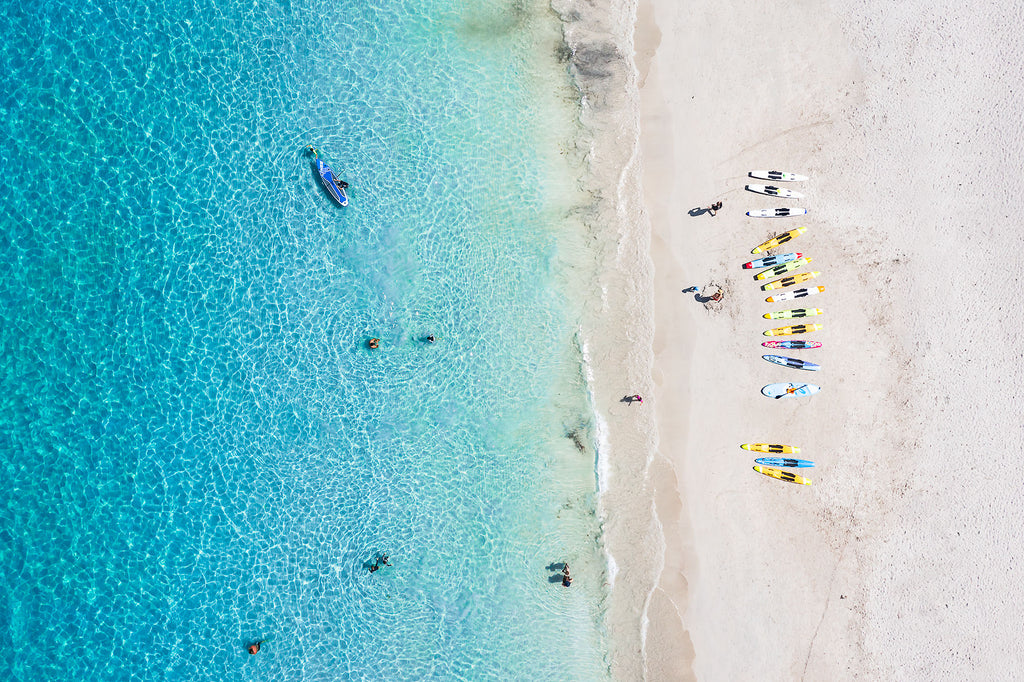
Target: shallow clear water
198, 448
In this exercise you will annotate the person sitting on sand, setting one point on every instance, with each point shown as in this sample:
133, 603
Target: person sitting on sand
717, 296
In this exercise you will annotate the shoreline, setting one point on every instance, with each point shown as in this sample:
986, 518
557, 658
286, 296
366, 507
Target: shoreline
617, 324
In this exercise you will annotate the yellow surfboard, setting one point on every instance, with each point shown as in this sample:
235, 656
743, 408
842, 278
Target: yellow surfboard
771, 448
795, 329
782, 475
785, 267
781, 239
790, 281
795, 312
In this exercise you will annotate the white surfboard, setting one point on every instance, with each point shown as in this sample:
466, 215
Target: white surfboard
773, 191
777, 176
796, 293
776, 212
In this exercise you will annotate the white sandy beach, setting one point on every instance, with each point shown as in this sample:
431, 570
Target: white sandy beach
900, 561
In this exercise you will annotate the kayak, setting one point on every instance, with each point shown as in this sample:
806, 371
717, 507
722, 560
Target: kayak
796, 293
782, 475
793, 344
795, 312
790, 281
787, 390
771, 448
769, 261
795, 363
777, 176
776, 212
785, 267
794, 330
781, 239
784, 462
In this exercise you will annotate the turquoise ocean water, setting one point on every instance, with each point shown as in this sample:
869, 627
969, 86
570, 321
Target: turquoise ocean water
198, 448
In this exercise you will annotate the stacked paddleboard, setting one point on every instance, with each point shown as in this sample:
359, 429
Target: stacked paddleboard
773, 466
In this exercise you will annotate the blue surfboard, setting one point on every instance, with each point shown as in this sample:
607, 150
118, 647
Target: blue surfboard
784, 462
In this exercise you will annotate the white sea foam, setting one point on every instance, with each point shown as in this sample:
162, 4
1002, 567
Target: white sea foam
617, 324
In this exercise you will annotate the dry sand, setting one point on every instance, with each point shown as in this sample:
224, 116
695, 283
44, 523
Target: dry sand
900, 561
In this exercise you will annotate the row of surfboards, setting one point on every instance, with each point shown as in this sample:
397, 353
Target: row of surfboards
780, 265
777, 265
776, 191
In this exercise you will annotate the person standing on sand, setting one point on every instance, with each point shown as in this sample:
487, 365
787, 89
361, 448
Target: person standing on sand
714, 208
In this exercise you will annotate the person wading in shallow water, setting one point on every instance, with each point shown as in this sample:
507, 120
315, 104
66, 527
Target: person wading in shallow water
566, 578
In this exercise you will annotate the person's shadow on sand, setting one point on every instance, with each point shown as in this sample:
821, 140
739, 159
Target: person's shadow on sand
694, 212
701, 298
555, 568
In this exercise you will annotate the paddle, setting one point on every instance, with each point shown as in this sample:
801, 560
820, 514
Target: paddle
790, 391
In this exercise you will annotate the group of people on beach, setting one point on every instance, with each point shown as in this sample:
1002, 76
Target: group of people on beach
716, 297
